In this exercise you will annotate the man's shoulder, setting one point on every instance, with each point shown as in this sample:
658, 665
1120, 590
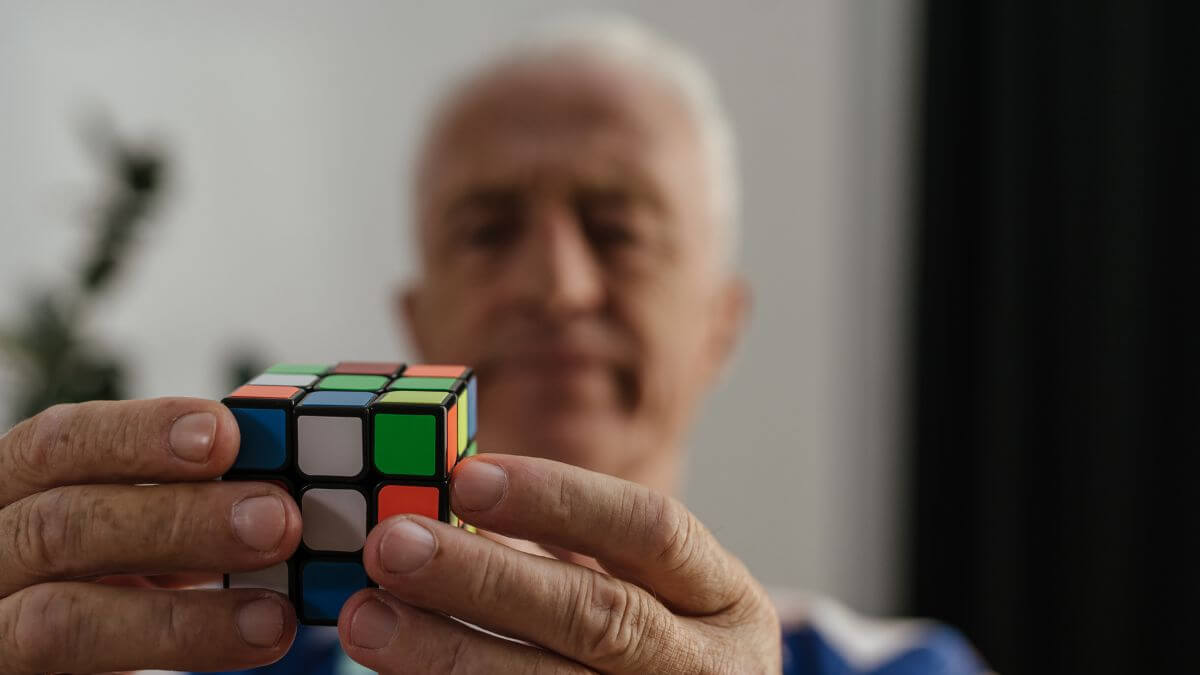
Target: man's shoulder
823, 637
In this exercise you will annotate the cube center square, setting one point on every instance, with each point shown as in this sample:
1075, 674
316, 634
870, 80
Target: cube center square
330, 445
353, 443
335, 519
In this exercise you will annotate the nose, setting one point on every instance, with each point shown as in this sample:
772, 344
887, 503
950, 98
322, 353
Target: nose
557, 273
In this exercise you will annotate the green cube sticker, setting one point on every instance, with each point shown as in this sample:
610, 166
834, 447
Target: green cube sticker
352, 382
423, 383
406, 444
421, 397
298, 368
439, 384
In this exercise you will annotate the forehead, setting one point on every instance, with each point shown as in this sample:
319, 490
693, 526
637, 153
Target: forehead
571, 119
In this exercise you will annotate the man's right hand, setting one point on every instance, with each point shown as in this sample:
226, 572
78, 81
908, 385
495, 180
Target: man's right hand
74, 507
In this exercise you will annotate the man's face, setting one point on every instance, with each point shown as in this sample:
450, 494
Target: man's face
569, 254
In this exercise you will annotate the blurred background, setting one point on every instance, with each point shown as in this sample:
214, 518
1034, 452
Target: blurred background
963, 312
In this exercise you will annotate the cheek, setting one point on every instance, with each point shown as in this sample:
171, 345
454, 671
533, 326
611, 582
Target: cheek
669, 324
456, 319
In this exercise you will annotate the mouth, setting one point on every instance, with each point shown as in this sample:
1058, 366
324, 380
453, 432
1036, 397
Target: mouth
582, 364
565, 378
581, 350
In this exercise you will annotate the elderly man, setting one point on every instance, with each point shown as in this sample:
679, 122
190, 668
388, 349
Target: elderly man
575, 209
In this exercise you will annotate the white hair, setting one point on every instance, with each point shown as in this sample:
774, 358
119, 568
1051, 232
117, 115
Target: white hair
624, 42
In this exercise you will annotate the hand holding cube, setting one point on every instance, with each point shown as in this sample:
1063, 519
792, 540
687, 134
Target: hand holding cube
640, 587
75, 506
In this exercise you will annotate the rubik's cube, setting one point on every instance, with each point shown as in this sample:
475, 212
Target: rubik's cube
353, 443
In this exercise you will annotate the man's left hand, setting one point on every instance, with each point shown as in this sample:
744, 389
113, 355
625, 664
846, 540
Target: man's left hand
672, 600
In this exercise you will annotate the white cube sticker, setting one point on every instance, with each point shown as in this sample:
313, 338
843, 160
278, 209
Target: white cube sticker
329, 446
274, 379
334, 519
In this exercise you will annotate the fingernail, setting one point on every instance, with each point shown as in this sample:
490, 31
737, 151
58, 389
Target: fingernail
405, 547
372, 625
479, 485
260, 522
191, 436
260, 623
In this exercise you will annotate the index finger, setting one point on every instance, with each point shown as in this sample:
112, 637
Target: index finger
144, 441
636, 533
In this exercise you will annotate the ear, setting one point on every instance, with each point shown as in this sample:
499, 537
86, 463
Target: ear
408, 308
733, 302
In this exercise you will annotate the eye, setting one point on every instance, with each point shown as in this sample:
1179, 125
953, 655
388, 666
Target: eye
608, 223
488, 226
490, 231
610, 232
485, 218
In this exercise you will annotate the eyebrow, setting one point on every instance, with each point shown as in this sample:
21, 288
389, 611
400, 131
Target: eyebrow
505, 196
628, 181
494, 197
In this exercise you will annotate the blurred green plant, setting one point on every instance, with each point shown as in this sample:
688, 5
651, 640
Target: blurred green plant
54, 359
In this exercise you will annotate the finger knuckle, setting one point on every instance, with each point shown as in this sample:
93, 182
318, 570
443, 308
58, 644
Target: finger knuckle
170, 517
130, 435
670, 531
32, 445
50, 530
492, 576
48, 621
175, 626
621, 623
562, 507
457, 657
757, 609
68, 434
118, 431
12, 657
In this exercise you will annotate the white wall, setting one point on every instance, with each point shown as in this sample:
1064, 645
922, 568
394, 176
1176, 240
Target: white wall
289, 123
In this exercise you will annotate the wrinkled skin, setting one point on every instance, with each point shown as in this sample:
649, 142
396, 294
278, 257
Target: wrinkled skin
74, 509
665, 597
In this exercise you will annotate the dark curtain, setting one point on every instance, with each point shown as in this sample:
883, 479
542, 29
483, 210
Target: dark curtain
1054, 382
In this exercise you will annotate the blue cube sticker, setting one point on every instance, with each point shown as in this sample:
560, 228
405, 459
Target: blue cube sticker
326, 585
264, 438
